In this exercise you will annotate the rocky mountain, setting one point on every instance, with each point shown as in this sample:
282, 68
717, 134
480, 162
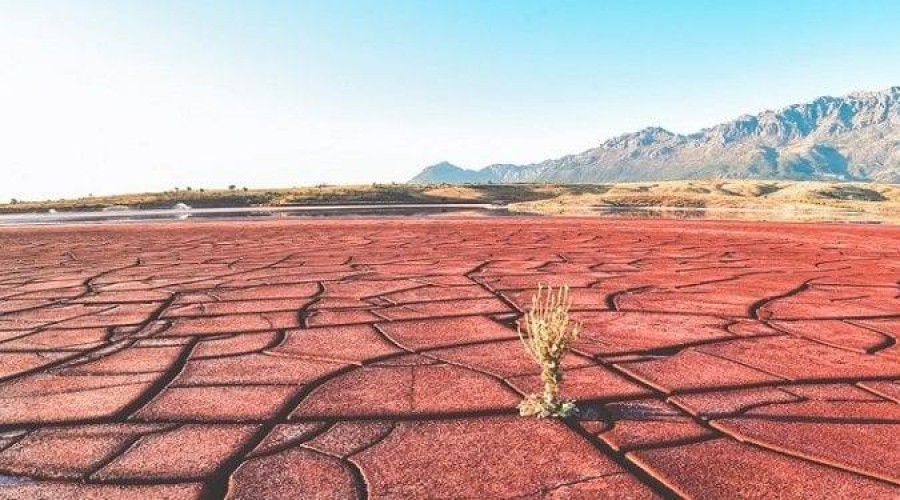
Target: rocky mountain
854, 137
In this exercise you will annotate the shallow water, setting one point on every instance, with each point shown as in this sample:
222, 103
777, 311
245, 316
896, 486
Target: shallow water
787, 214
311, 211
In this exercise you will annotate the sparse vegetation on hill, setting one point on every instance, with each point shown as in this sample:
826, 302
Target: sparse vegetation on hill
882, 201
314, 195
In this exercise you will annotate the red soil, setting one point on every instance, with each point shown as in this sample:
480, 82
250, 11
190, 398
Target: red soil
379, 359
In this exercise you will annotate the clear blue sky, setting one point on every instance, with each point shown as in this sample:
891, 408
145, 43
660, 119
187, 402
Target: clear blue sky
111, 96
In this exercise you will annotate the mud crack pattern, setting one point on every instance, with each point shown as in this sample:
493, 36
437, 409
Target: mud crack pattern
379, 359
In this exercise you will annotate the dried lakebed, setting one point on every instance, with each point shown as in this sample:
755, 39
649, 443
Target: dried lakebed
379, 359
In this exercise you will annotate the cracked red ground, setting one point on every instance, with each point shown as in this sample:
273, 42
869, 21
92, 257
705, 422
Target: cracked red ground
379, 359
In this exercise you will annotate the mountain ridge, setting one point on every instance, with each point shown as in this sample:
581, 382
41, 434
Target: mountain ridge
855, 137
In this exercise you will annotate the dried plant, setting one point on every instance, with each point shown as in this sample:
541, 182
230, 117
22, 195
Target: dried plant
547, 337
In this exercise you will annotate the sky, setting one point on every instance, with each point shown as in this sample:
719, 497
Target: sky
102, 97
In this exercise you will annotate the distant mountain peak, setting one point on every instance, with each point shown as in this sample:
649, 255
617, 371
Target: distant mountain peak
444, 172
853, 137
643, 137
443, 166
868, 94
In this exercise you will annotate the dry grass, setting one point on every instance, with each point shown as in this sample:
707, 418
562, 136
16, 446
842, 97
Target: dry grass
455, 193
767, 200
547, 337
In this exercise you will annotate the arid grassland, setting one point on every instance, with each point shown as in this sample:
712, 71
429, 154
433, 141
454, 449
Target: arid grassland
879, 200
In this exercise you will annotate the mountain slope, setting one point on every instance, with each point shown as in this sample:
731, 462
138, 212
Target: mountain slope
854, 137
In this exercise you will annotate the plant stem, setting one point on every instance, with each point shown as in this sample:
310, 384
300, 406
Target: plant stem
550, 375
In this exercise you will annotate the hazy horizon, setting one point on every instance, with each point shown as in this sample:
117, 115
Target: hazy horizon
107, 97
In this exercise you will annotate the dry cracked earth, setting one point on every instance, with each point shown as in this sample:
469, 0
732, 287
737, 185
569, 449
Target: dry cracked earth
379, 359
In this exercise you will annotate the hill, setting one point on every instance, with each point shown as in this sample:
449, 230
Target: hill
850, 138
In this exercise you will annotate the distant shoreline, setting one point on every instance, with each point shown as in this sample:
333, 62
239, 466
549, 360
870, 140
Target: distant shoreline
880, 202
